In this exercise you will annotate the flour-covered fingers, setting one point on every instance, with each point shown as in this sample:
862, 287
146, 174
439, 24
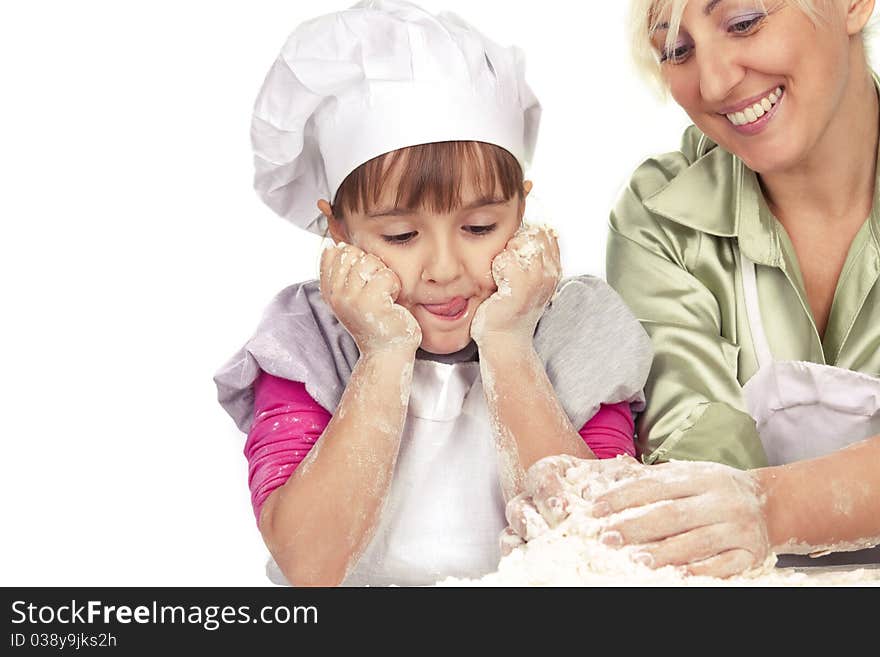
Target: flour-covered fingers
341, 263
589, 478
518, 241
513, 511
502, 264
509, 541
555, 253
727, 564
530, 244
640, 492
384, 283
524, 518
664, 519
552, 253
592, 471
547, 241
554, 506
525, 281
362, 270
551, 266
548, 475
546, 483
701, 544
361, 291
328, 256
639, 486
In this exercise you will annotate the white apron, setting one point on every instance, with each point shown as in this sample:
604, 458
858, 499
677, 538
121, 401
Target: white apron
805, 410
445, 509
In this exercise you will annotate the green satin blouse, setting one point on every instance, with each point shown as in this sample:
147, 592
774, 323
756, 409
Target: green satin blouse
673, 257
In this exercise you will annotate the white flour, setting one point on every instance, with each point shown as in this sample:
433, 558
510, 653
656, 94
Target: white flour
571, 555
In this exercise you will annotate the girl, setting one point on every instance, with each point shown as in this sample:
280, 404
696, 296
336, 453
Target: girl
392, 407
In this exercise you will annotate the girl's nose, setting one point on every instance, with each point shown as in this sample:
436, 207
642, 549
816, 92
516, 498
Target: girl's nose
442, 266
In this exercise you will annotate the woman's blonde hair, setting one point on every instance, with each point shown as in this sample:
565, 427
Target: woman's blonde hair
646, 15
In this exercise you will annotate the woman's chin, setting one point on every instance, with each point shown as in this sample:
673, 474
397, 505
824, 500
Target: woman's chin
768, 156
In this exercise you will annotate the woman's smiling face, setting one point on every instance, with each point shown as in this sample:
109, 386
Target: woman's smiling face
762, 80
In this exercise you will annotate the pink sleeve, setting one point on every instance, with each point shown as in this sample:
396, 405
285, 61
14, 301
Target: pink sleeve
287, 423
610, 431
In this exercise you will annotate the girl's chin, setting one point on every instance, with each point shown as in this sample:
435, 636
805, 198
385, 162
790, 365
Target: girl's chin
446, 344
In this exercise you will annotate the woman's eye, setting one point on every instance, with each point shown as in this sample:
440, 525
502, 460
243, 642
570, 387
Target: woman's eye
481, 230
744, 25
677, 55
402, 238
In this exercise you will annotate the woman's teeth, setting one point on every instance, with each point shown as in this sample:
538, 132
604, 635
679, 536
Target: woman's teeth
756, 111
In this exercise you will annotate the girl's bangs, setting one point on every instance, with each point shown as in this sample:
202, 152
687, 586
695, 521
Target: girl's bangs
432, 177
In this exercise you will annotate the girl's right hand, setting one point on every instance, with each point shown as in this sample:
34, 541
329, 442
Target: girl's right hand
361, 290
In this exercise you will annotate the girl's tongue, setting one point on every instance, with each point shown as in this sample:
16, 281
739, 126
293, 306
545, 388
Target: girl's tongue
449, 309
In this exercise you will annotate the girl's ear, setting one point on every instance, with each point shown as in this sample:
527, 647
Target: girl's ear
337, 229
527, 188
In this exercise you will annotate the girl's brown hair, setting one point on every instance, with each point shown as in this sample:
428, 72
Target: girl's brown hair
432, 176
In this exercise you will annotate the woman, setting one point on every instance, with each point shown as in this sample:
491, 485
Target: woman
752, 257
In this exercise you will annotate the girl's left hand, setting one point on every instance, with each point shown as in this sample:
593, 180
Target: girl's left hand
526, 272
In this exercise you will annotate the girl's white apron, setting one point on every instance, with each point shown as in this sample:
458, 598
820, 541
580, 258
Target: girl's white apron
445, 510
805, 410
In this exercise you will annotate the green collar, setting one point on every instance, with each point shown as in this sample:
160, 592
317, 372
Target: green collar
719, 195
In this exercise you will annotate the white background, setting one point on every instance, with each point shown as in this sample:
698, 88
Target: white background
135, 257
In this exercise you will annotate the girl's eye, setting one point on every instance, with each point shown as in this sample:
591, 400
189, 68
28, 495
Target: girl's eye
481, 230
745, 24
403, 238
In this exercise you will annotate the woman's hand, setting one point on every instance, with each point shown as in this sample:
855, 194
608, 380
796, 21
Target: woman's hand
361, 290
526, 272
706, 518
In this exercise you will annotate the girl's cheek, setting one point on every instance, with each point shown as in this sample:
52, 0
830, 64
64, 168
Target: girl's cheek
405, 272
364, 241
373, 245
378, 247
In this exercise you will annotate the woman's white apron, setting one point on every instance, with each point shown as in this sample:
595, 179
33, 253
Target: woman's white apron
804, 410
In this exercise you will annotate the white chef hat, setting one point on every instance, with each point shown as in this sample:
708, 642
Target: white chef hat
383, 75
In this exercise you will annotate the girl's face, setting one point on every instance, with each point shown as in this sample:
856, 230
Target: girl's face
444, 261
763, 83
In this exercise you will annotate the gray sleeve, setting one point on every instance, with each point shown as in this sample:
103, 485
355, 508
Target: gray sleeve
298, 339
594, 349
